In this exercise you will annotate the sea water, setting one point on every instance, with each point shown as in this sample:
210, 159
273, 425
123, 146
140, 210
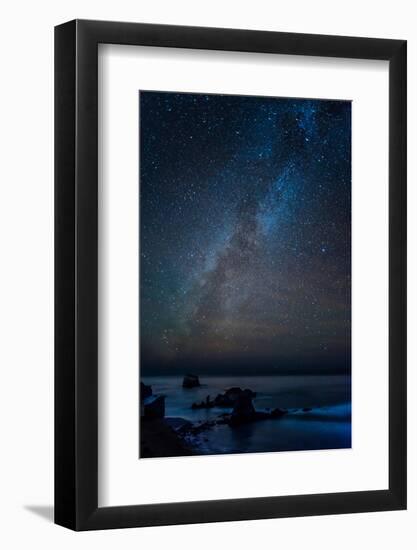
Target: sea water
326, 424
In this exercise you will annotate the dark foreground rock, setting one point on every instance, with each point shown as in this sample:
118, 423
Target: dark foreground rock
178, 424
190, 381
158, 439
153, 407
145, 391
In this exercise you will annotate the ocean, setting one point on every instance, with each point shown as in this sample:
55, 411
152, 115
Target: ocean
326, 424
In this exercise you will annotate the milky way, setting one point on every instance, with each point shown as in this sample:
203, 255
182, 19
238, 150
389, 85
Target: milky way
245, 214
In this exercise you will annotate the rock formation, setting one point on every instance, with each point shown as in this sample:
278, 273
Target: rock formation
227, 399
243, 409
151, 406
190, 381
145, 391
231, 396
154, 407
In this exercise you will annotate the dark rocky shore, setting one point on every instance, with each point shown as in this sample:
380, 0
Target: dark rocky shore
159, 439
162, 436
159, 436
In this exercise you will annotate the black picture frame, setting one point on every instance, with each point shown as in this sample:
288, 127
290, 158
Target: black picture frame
76, 272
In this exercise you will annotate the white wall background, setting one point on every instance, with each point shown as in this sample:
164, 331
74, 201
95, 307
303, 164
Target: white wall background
26, 273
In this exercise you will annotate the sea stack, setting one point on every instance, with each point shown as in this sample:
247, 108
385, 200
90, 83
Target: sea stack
243, 409
190, 381
230, 396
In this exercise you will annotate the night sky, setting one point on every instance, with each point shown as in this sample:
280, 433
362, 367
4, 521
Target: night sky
245, 216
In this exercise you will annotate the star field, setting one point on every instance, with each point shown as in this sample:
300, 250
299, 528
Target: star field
245, 213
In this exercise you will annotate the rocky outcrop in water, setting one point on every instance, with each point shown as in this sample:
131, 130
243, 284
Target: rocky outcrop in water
228, 399
190, 381
231, 396
244, 413
243, 409
206, 404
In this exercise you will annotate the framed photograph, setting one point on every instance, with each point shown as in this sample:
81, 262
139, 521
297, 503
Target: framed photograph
230, 253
